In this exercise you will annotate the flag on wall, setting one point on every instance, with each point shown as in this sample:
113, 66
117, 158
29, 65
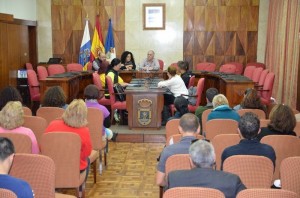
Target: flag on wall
97, 44
110, 50
85, 47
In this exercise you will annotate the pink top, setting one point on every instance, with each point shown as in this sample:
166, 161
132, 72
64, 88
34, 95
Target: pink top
25, 131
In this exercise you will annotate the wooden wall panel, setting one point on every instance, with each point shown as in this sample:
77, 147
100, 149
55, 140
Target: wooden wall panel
68, 21
220, 31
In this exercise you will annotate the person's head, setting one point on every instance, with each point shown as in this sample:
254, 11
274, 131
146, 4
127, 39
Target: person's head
91, 92
8, 94
101, 56
150, 55
76, 114
172, 70
115, 64
7, 151
249, 125
181, 105
251, 100
11, 116
202, 154
54, 97
211, 93
183, 66
219, 100
127, 57
189, 123
282, 118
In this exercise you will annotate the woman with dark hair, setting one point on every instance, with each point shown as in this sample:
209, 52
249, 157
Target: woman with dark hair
250, 101
8, 94
183, 68
181, 106
282, 122
127, 61
113, 72
54, 97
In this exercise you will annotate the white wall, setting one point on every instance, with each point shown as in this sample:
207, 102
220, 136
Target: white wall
262, 30
21, 9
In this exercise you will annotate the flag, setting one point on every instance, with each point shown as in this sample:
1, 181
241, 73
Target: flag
97, 44
85, 47
110, 50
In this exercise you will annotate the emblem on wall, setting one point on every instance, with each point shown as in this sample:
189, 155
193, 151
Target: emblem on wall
144, 111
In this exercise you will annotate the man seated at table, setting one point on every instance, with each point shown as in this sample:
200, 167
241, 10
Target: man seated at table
202, 174
150, 63
18, 186
100, 61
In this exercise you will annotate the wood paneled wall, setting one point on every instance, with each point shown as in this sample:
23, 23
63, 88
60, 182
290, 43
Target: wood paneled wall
68, 21
220, 31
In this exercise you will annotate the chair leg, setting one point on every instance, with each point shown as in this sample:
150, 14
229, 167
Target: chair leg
105, 159
100, 162
95, 171
112, 115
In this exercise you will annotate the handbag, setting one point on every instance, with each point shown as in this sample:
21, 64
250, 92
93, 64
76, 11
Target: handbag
119, 90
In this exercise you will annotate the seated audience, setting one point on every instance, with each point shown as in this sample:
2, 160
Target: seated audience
127, 61
222, 110
11, 121
74, 120
282, 122
21, 188
249, 128
189, 128
8, 94
54, 97
202, 174
183, 67
210, 94
250, 101
92, 94
150, 63
181, 106
100, 61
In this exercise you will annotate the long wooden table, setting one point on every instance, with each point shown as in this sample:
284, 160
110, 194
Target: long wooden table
73, 86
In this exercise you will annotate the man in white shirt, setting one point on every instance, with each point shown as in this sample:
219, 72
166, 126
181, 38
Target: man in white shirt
150, 63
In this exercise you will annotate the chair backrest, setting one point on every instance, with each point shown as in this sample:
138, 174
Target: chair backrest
37, 124
221, 142
262, 77
22, 142
42, 72
110, 87
254, 171
256, 64
161, 64
177, 137
66, 157
178, 162
248, 72
50, 113
260, 113
191, 81
172, 128
297, 129
95, 125
266, 193
55, 69
256, 74
27, 111
74, 67
220, 126
28, 66
290, 174
89, 66
264, 122
284, 146
38, 171
96, 80
34, 86
204, 118
239, 67
200, 87
193, 192
206, 66
228, 68
7, 193
268, 88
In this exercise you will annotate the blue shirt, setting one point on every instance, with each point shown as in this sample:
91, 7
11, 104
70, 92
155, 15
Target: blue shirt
18, 186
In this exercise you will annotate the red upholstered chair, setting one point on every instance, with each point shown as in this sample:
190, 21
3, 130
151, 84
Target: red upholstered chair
114, 104
55, 69
262, 77
7, 193
228, 68
89, 66
74, 67
28, 66
239, 67
34, 86
290, 174
256, 74
266, 91
42, 72
206, 66
200, 87
266, 193
256, 64
161, 64
191, 81
248, 72
193, 192
97, 82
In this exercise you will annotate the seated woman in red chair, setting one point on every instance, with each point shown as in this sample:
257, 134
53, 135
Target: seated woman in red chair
127, 61
8, 94
54, 97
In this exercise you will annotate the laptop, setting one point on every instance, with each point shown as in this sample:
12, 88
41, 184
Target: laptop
54, 61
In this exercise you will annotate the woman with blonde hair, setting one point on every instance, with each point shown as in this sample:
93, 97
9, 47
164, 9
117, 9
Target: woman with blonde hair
222, 110
11, 121
282, 122
74, 120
